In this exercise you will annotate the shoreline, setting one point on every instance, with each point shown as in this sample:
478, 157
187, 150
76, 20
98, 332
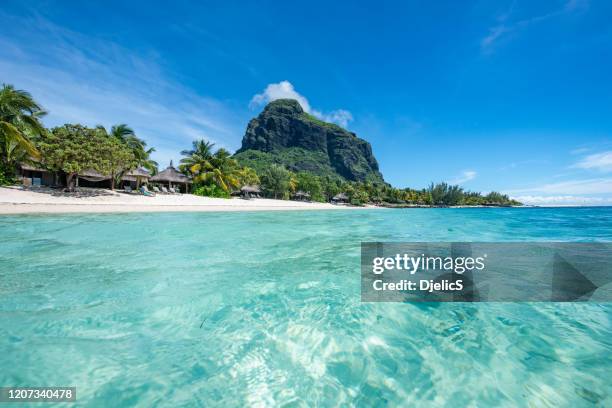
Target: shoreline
29, 208
15, 200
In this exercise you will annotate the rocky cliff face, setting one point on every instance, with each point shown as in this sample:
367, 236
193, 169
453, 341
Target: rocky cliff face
303, 143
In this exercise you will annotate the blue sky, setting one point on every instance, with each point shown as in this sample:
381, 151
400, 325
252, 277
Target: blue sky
511, 95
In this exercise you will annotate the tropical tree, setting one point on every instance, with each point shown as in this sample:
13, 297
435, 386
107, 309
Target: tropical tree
445, 194
200, 154
248, 177
72, 149
276, 180
19, 123
310, 184
115, 158
218, 169
221, 169
138, 147
499, 199
330, 187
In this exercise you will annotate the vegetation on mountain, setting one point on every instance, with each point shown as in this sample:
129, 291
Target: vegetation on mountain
295, 159
284, 134
292, 150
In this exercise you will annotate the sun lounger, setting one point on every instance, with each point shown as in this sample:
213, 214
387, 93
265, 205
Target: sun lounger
127, 189
164, 190
144, 191
172, 190
156, 190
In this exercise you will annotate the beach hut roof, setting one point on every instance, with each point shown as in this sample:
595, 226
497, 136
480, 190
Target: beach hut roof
301, 193
171, 175
250, 189
340, 197
31, 167
139, 172
134, 175
92, 175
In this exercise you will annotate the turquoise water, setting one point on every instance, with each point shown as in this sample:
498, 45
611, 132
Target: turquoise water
263, 309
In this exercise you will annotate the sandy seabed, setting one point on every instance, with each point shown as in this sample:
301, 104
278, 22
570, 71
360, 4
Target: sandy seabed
16, 200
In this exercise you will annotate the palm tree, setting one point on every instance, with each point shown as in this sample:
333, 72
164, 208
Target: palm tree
149, 163
19, 122
220, 169
197, 158
277, 180
136, 145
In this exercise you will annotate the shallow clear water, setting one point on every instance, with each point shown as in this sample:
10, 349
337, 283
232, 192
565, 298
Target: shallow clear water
237, 309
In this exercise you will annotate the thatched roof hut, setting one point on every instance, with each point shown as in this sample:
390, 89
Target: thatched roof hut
31, 167
136, 175
340, 197
139, 172
171, 175
34, 174
92, 175
301, 195
250, 189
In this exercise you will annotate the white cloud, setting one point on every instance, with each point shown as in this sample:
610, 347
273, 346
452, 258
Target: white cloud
562, 200
494, 34
339, 116
571, 187
282, 90
286, 90
84, 79
599, 161
580, 150
589, 191
505, 26
465, 176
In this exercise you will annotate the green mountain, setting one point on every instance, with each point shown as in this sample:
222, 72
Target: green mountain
284, 134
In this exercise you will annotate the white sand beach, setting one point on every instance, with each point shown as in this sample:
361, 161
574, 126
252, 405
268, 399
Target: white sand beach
15, 200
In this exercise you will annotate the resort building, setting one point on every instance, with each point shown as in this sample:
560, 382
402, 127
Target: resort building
340, 198
36, 176
301, 196
173, 178
32, 175
134, 178
250, 192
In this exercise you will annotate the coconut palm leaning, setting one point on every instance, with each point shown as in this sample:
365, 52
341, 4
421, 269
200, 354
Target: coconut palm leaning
199, 155
219, 168
138, 146
224, 171
19, 123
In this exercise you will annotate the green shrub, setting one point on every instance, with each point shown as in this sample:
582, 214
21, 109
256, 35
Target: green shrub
6, 177
211, 191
